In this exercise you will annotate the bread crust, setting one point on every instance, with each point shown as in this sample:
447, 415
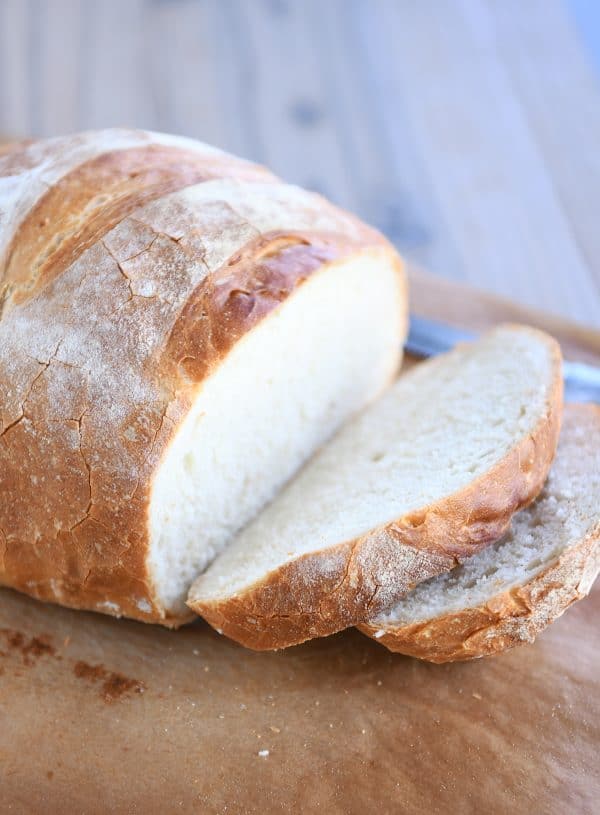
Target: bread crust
102, 192
323, 592
113, 316
511, 618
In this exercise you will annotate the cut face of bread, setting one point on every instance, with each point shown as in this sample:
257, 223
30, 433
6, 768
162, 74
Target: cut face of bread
507, 593
179, 331
423, 479
281, 392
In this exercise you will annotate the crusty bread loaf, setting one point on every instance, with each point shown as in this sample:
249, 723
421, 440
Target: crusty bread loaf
179, 330
420, 481
507, 594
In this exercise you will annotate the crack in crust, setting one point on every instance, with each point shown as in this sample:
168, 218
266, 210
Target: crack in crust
122, 293
44, 367
88, 202
88, 469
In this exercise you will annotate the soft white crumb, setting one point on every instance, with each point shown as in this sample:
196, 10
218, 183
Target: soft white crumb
263, 753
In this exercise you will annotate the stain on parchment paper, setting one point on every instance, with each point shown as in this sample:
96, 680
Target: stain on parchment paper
113, 685
30, 648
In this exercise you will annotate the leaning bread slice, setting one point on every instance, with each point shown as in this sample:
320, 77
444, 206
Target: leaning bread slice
512, 590
423, 479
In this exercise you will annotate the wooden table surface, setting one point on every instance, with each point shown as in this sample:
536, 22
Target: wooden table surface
467, 130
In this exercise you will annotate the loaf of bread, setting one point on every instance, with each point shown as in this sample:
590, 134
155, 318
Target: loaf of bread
505, 595
420, 481
179, 332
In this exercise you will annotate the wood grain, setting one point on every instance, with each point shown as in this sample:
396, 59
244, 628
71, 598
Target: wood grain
439, 299
466, 130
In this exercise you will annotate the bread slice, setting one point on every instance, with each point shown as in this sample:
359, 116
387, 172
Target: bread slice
179, 331
422, 480
508, 593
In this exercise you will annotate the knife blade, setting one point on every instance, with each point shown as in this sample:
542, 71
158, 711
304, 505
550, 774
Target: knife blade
427, 338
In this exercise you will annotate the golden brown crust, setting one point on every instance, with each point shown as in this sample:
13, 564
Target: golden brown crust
324, 592
104, 352
89, 201
241, 293
511, 618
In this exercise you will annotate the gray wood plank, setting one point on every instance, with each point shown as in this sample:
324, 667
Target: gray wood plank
183, 53
237, 78
14, 68
396, 192
297, 134
489, 178
56, 75
116, 89
560, 95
